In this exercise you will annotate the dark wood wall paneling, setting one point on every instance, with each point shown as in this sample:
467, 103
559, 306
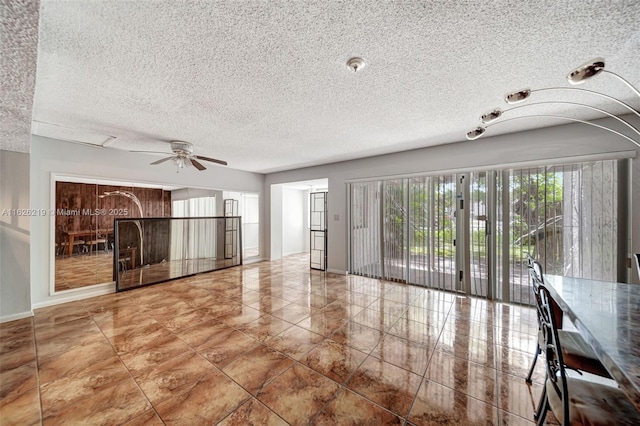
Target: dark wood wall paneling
77, 199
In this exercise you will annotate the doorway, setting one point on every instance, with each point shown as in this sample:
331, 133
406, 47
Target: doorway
290, 217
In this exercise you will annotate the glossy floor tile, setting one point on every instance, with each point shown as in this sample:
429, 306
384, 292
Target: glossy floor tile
271, 343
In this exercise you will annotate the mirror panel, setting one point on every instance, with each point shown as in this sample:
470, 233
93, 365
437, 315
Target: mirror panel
153, 250
86, 211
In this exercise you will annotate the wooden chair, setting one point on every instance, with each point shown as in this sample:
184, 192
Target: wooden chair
62, 243
98, 239
575, 401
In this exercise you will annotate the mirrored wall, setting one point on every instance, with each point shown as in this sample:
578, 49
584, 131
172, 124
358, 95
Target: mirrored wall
153, 250
83, 237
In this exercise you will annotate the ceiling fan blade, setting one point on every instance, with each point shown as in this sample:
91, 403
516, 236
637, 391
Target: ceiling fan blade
161, 161
197, 165
93, 145
213, 160
152, 152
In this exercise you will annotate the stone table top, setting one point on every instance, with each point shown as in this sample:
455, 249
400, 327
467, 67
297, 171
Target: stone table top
607, 315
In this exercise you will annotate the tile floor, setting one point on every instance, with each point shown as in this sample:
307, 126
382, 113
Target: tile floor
271, 343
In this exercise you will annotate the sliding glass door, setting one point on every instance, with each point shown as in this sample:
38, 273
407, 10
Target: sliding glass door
479, 221
432, 219
567, 218
470, 232
405, 230
394, 224
365, 229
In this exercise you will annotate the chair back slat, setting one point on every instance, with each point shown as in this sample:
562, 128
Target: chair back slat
556, 374
535, 277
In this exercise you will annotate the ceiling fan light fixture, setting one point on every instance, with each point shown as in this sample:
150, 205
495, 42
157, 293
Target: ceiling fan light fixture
182, 146
586, 71
181, 162
183, 157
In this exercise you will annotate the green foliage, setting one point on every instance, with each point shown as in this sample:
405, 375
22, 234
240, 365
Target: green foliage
432, 201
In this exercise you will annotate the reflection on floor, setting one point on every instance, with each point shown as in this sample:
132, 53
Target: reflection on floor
271, 343
81, 270
164, 271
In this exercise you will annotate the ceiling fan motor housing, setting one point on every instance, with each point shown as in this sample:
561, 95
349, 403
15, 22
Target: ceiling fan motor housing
180, 147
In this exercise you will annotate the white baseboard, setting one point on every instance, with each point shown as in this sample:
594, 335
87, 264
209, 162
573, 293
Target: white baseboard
337, 271
253, 260
14, 317
76, 294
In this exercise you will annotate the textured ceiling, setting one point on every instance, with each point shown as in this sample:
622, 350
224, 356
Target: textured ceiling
264, 85
18, 50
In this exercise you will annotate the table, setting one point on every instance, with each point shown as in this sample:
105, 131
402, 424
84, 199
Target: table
607, 315
131, 251
84, 233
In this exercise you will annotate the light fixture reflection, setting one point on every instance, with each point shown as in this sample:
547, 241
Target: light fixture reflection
127, 194
136, 200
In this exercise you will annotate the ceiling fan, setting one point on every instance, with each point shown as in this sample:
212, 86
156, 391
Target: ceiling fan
183, 157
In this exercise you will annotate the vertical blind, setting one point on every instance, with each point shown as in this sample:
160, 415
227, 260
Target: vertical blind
365, 235
249, 210
412, 229
566, 217
189, 237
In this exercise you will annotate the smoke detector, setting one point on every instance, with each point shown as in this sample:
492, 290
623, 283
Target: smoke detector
356, 64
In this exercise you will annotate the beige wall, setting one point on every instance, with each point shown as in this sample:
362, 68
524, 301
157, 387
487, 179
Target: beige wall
553, 145
15, 294
25, 182
50, 157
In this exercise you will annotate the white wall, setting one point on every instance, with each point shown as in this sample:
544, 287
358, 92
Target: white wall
307, 230
294, 207
15, 292
556, 144
188, 193
50, 156
275, 222
25, 248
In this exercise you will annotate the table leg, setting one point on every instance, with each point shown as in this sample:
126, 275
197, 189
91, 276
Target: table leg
70, 247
